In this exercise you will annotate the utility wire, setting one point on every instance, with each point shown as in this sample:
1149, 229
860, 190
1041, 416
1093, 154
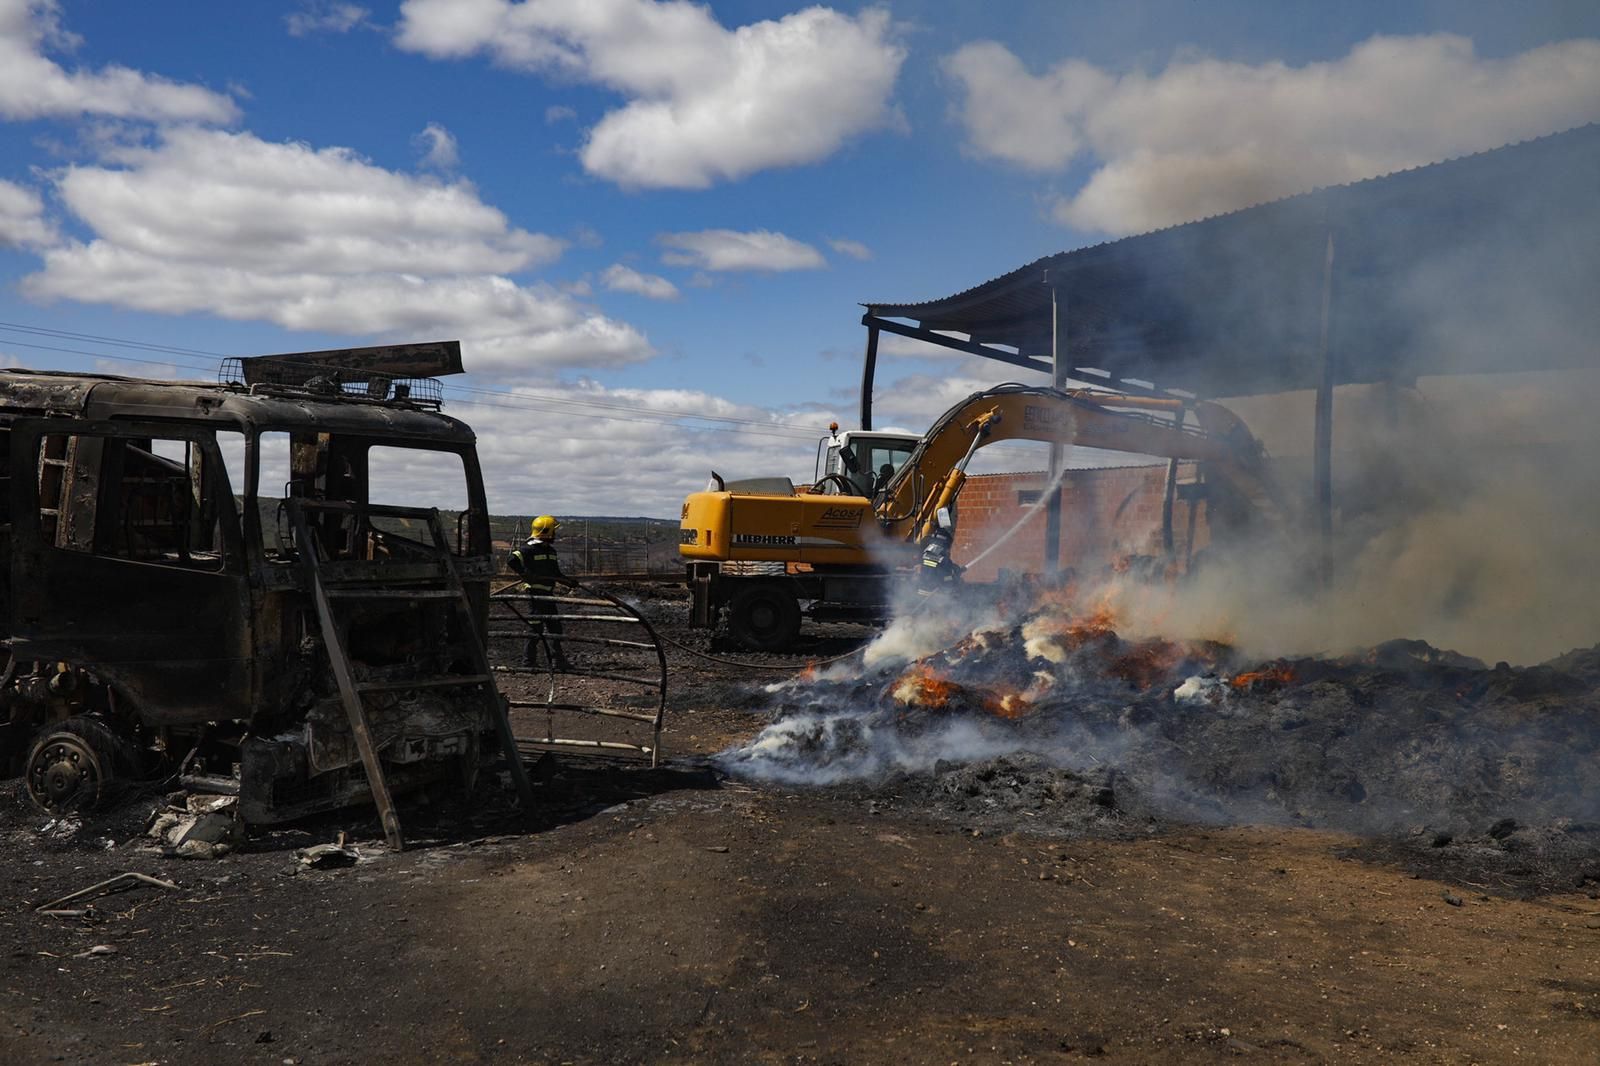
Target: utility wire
45, 331
544, 404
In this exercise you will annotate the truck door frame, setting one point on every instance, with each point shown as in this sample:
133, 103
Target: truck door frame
175, 640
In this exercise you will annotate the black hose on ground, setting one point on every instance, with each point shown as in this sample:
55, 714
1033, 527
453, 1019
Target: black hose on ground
757, 666
714, 658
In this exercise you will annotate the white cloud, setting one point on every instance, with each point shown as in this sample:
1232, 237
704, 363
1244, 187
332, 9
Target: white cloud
22, 221
438, 147
33, 86
896, 346
232, 199
704, 103
853, 249
559, 113
916, 400
208, 221
632, 451
1205, 136
649, 447
620, 278
325, 16
726, 249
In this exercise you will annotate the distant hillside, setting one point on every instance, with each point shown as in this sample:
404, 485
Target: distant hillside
587, 544
601, 544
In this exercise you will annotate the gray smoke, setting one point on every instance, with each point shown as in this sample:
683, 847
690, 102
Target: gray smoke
1046, 711
1466, 514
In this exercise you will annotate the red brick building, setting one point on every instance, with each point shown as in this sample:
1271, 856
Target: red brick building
1106, 515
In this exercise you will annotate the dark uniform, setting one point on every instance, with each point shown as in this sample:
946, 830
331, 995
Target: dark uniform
938, 570
536, 562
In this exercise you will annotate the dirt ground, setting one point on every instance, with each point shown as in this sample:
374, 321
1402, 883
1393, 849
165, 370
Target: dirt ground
677, 915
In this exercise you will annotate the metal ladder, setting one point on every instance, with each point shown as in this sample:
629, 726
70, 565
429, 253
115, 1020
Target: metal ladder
437, 578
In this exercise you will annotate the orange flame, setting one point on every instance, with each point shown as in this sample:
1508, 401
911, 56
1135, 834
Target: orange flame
1271, 677
1008, 705
1077, 630
1096, 624
921, 685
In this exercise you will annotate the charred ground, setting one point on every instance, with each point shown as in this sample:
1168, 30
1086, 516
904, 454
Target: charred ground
1420, 881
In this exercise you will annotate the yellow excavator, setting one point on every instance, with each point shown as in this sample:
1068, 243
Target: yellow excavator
756, 549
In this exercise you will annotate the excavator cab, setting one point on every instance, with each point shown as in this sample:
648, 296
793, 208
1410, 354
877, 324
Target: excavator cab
864, 460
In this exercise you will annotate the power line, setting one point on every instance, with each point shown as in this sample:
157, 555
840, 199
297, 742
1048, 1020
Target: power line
114, 358
120, 342
662, 417
727, 423
16, 327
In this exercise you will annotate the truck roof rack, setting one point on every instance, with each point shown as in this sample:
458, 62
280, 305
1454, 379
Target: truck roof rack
402, 374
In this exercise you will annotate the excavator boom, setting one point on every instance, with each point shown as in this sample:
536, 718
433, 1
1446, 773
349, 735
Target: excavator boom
1108, 421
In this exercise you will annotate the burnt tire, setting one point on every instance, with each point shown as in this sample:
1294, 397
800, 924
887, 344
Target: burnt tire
765, 616
75, 765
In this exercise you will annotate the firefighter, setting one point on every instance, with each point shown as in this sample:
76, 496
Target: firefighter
938, 570
535, 562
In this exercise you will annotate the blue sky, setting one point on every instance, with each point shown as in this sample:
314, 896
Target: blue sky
634, 213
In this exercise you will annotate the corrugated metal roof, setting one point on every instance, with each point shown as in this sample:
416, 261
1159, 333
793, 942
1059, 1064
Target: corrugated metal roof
1487, 262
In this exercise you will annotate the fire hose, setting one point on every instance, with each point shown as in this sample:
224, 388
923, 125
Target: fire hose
1033, 509
758, 666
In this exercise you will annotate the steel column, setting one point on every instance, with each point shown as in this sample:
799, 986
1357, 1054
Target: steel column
1058, 452
869, 367
1168, 494
1323, 430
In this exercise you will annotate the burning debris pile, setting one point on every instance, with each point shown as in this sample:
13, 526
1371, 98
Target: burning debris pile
1053, 715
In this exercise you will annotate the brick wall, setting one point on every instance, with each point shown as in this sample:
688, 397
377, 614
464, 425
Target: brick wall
1106, 515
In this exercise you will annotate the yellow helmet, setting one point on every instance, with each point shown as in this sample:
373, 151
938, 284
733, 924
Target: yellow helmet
544, 525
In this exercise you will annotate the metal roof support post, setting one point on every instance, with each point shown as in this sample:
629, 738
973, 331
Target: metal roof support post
1058, 452
1323, 431
868, 368
1169, 494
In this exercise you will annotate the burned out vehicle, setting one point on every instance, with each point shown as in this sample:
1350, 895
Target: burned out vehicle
223, 583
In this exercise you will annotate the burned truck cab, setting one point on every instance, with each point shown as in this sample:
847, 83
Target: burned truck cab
181, 556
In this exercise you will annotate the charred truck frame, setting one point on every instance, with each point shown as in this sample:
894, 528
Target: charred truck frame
204, 580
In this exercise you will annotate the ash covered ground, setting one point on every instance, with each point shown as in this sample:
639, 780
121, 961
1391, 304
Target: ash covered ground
674, 915
1050, 721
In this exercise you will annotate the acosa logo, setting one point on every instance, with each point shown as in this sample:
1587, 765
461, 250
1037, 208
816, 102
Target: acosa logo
840, 518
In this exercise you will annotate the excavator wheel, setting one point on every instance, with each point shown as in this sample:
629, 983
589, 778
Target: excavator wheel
764, 616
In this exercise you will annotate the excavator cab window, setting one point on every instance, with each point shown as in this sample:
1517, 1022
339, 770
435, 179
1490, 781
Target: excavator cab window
868, 461
885, 458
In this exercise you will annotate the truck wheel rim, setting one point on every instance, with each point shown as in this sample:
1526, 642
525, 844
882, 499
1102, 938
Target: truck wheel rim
65, 773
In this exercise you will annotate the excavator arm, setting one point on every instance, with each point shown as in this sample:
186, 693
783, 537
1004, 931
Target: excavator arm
932, 478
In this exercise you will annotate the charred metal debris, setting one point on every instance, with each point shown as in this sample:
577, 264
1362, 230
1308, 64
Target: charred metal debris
213, 583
